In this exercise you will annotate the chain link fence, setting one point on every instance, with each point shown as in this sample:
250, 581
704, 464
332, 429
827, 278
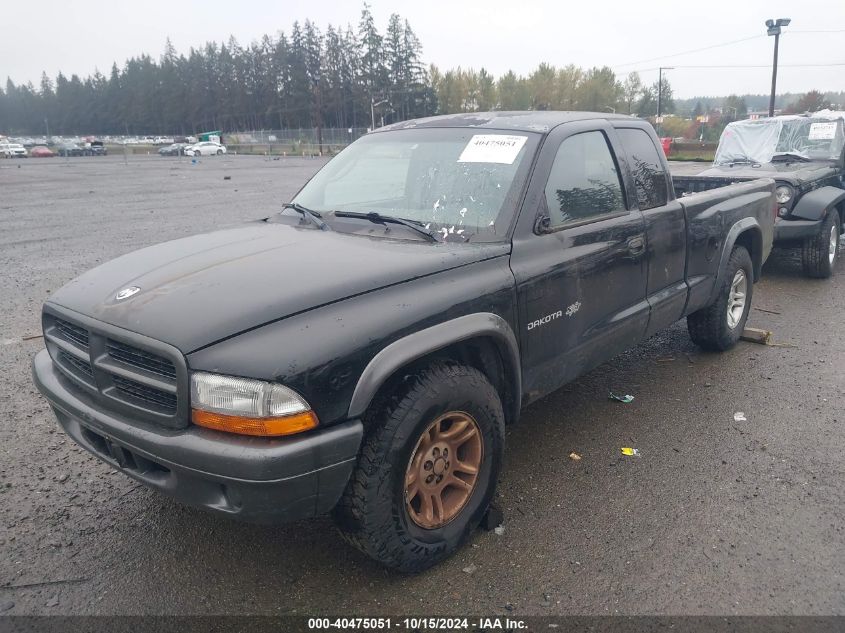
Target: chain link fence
292, 142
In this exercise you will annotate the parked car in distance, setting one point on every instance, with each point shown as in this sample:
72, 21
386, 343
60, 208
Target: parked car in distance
41, 151
70, 149
12, 150
205, 148
805, 155
175, 149
95, 148
459, 268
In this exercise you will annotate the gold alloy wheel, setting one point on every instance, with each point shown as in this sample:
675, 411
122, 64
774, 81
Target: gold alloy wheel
443, 469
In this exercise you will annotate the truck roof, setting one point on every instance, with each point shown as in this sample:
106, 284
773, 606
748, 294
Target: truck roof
541, 121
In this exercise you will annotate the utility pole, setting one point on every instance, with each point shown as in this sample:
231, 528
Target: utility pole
47, 125
660, 94
774, 28
319, 115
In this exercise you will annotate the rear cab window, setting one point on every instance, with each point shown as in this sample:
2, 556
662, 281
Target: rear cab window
646, 167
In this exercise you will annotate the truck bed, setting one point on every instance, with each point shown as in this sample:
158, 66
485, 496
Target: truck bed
686, 185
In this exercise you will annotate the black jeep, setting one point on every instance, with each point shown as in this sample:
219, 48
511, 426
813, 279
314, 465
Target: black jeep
805, 155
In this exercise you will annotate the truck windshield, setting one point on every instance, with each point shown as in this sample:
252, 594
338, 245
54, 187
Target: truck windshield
808, 137
461, 183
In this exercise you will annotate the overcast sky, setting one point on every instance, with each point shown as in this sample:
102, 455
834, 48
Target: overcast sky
79, 36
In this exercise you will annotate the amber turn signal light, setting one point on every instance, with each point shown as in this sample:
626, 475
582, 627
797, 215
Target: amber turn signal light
267, 427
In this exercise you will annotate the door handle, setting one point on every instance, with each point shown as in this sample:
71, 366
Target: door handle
636, 245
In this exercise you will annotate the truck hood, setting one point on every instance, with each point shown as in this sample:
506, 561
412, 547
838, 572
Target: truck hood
794, 173
197, 290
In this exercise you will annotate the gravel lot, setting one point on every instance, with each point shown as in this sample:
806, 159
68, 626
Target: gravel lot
715, 517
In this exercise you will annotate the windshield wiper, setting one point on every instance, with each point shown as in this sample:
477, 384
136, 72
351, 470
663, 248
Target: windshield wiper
790, 155
313, 216
378, 218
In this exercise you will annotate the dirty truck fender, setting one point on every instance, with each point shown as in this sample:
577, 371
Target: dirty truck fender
815, 204
745, 225
424, 342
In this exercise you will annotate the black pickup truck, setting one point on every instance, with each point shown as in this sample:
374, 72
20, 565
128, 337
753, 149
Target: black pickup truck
805, 155
362, 350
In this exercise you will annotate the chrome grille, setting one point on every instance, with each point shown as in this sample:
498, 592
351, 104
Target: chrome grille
121, 370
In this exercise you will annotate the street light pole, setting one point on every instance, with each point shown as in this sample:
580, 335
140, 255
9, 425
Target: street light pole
373, 105
774, 76
774, 28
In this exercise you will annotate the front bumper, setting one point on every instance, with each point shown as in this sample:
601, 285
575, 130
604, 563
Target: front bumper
792, 230
252, 479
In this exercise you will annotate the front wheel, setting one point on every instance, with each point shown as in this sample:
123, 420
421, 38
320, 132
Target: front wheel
719, 326
219, 152
427, 471
820, 252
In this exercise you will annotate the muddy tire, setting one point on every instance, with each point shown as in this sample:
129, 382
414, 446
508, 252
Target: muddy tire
820, 253
446, 423
719, 326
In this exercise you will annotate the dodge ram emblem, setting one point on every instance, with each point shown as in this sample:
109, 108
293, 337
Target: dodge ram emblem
127, 292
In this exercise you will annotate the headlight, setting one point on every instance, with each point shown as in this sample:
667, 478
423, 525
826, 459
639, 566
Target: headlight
247, 406
783, 194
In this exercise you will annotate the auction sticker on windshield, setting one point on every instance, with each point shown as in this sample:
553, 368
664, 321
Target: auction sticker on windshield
822, 131
492, 148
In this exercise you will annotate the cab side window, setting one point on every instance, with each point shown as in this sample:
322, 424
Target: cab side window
645, 164
584, 182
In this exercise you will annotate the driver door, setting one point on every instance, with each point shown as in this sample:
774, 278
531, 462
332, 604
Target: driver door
580, 270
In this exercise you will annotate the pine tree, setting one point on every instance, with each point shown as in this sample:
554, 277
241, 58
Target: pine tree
373, 73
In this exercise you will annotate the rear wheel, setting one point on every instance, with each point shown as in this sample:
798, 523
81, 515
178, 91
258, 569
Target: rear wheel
719, 326
427, 471
820, 252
